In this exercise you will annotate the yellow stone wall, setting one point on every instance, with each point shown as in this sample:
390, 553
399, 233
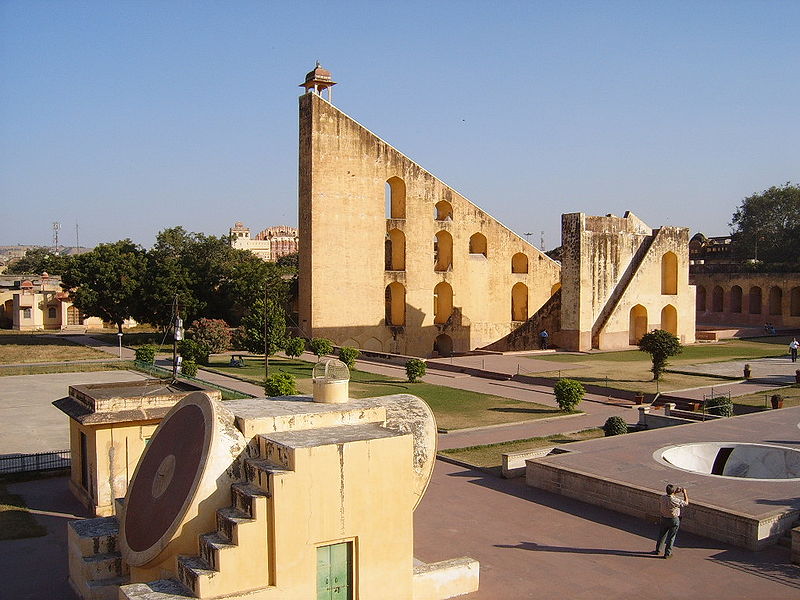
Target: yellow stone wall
344, 170
113, 452
621, 279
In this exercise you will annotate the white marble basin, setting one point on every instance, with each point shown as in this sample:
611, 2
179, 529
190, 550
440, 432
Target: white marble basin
733, 459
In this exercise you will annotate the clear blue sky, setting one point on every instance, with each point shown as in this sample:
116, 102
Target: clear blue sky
130, 117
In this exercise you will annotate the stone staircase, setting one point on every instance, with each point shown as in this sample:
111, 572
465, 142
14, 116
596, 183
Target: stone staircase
243, 537
94, 554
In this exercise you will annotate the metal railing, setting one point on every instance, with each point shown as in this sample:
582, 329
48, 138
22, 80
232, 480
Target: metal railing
40, 461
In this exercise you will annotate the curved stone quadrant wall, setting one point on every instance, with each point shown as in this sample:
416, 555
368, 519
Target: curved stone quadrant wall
355, 254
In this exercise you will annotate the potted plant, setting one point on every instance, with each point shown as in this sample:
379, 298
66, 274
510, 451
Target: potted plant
797, 376
777, 401
747, 371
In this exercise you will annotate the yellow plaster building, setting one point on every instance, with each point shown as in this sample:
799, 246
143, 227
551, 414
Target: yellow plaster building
394, 260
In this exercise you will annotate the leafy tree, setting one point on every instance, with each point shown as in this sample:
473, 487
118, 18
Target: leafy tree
251, 331
38, 261
767, 225
348, 356
294, 347
320, 346
569, 394
280, 384
290, 261
146, 354
415, 369
214, 334
660, 345
107, 281
167, 281
615, 425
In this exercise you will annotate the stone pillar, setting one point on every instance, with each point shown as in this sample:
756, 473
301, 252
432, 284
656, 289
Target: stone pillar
668, 408
643, 412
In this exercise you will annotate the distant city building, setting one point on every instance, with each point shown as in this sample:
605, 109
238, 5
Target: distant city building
715, 249
268, 245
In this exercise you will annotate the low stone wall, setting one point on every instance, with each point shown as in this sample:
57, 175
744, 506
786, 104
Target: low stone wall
706, 520
446, 579
514, 462
796, 545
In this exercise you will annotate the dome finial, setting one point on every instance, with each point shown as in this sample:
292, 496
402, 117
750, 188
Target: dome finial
318, 80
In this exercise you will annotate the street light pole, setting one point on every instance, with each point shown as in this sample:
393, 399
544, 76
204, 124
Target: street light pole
119, 337
266, 354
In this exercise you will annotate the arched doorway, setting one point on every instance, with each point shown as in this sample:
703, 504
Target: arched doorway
395, 304
736, 299
443, 345
442, 251
638, 324
519, 302
669, 319
442, 302
669, 273
395, 198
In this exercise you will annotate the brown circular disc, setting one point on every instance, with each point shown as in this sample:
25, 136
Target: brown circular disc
166, 478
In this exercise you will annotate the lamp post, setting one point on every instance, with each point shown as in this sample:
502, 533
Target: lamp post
266, 353
119, 337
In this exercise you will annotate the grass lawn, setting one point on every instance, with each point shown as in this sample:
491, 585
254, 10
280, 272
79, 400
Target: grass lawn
138, 338
33, 348
630, 369
15, 520
66, 368
791, 397
488, 455
454, 409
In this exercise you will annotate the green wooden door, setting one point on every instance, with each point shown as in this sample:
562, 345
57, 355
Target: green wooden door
334, 566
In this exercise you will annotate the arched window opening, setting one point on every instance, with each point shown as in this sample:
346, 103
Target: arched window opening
519, 302
755, 300
794, 302
442, 251
477, 244
519, 263
395, 304
442, 302
669, 273
638, 324
716, 299
443, 345
701, 299
443, 211
395, 250
395, 198
669, 319
51, 312
736, 299
775, 300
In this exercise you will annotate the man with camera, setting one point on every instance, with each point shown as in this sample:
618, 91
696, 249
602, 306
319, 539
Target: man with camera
670, 507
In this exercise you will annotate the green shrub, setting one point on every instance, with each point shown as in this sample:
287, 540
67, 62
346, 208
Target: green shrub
348, 356
189, 368
320, 346
721, 405
192, 350
214, 334
569, 394
280, 384
146, 354
295, 346
615, 426
415, 369
660, 345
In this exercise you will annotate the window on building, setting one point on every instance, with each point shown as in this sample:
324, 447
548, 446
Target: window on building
477, 244
519, 263
395, 198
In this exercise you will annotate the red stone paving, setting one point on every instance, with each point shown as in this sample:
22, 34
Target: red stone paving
533, 544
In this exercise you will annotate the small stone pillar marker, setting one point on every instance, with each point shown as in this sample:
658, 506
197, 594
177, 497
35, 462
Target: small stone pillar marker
668, 408
643, 412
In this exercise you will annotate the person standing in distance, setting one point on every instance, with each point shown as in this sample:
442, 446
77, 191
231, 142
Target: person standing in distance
793, 346
670, 507
543, 335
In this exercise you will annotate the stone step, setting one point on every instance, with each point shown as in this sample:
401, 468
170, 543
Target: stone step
244, 496
211, 545
228, 519
95, 536
104, 589
259, 472
104, 566
161, 589
192, 570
